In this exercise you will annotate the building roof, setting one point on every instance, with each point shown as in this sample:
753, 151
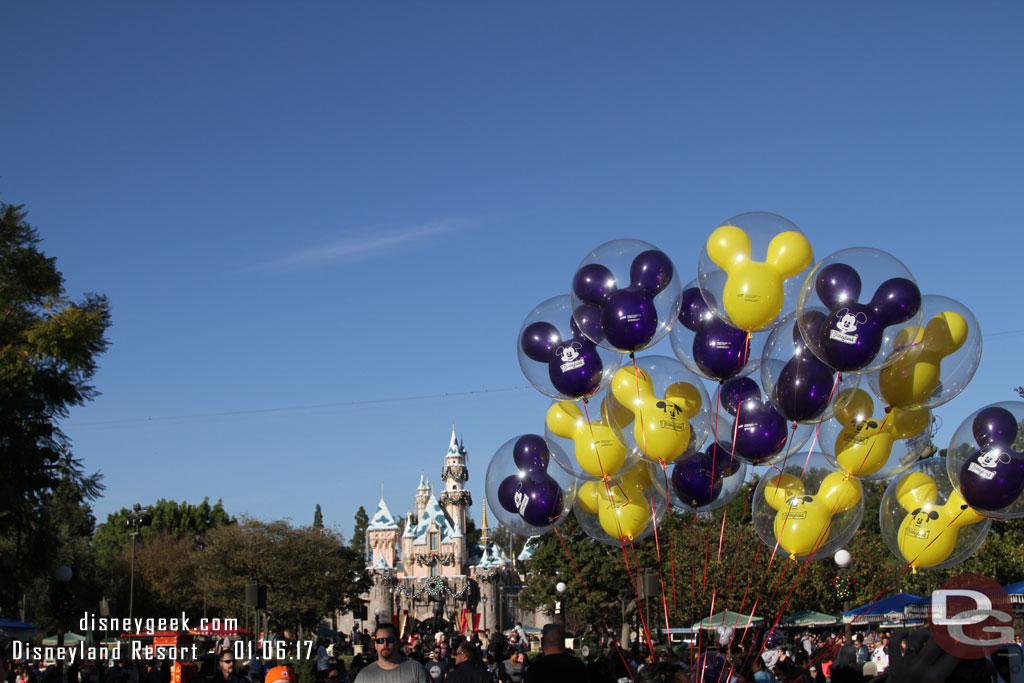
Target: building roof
424, 484
433, 513
381, 563
382, 519
454, 450
490, 556
527, 551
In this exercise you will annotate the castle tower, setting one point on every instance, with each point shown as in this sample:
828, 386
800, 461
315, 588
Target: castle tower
454, 475
422, 495
382, 534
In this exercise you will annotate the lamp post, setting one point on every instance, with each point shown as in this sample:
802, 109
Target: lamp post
842, 559
561, 587
62, 595
137, 518
376, 620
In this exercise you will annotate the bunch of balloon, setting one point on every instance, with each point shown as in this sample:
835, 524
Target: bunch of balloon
808, 508
708, 345
665, 410
758, 432
526, 494
855, 336
925, 522
625, 295
985, 460
748, 293
935, 360
874, 446
801, 387
596, 449
707, 480
624, 508
557, 358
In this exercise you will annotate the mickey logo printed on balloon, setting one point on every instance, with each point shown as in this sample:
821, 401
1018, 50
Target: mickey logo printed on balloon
864, 445
629, 320
802, 520
719, 349
574, 366
914, 378
533, 494
838, 285
992, 478
760, 432
929, 532
596, 448
660, 424
754, 291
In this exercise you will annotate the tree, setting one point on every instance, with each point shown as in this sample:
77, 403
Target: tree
358, 540
48, 350
318, 518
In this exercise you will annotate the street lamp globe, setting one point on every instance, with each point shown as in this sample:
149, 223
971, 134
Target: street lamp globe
62, 574
560, 586
842, 557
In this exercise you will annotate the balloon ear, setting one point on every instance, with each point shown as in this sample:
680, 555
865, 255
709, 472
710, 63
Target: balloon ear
593, 283
694, 311
627, 385
812, 321
728, 246
790, 253
857, 408
781, 488
687, 396
916, 490
896, 301
838, 284
963, 513
563, 419
587, 497
945, 333
839, 491
909, 336
651, 271
539, 341
736, 391
908, 423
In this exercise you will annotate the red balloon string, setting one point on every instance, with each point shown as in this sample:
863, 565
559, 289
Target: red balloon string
835, 385
881, 426
623, 658
569, 555
636, 591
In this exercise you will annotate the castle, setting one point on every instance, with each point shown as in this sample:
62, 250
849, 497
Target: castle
423, 567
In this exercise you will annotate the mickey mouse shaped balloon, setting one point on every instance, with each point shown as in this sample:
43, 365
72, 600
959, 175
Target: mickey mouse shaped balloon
922, 531
939, 360
669, 406
597, 449
862, 444
985, 461
858, 337
531, 497
624, 508
707, 480
557, 358
809, 512
620, 316
759, 433
707, 344
753, 293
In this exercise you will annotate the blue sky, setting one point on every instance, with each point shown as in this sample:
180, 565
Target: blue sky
322, 224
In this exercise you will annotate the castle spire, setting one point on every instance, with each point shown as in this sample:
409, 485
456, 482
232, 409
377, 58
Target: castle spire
484, 535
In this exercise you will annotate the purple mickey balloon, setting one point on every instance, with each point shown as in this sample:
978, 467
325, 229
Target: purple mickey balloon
992, 478
760, 431
719, 349
507, 492
852, 334
586, 322
805, 385
531, 454
539, 341
651, 271
698, 480
539, 499
736, 391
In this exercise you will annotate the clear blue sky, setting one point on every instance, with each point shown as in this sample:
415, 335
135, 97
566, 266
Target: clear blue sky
321, 224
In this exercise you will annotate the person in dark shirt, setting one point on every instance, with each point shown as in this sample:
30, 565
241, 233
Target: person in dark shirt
555, 664
467, 665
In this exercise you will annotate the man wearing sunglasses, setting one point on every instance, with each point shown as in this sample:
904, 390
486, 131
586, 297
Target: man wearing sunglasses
226, 669
391, 665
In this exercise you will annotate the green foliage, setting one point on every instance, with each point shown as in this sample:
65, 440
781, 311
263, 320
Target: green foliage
318, 518
358, 541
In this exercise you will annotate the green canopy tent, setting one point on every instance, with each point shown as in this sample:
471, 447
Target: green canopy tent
728, 618
809, 619
69, 639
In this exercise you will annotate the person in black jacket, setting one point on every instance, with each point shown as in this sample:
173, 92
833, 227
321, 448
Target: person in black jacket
555, 664
467, 666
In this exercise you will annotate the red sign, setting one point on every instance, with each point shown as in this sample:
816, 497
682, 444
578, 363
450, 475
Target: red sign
971, 616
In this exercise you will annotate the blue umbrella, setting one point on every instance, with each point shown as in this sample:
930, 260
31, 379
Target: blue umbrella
882, 610
19, 630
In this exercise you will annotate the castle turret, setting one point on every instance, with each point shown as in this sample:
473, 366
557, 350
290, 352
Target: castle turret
454, 474
422, 495
485, 536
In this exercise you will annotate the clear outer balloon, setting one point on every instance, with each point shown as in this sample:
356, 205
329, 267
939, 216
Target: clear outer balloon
751, 269
622, 512
626, 295
746, 418
925, 522
985, 461
594, 449
667, 406
556, 357
707, 480
710, 346
800, 386
871, 443
869, 298
944, 353
809, 508
527, 493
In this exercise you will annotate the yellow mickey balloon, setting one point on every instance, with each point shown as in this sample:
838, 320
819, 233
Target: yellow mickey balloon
864, 445
914, 377
598, 451
928, 534
660, 424
624, 514
803, 521
754, 292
